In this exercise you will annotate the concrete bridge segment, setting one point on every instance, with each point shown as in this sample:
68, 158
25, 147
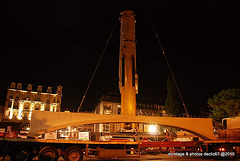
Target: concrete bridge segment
46, 121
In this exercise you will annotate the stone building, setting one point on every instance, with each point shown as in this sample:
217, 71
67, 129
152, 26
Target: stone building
111, 105
21, 102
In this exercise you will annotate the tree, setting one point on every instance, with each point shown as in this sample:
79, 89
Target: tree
225, 104
173, 102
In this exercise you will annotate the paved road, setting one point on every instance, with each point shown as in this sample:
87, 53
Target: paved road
164, 157
149, 157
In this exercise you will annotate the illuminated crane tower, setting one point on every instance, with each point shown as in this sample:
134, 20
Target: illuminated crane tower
128, 78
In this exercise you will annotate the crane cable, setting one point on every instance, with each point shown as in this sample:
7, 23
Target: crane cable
166, 59
104, 50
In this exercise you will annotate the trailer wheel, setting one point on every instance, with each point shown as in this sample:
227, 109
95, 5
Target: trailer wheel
73, 153
21, 153
48, 153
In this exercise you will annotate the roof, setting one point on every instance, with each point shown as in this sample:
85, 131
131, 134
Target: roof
115, 97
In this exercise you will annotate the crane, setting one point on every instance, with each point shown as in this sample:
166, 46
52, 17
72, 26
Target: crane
128, 77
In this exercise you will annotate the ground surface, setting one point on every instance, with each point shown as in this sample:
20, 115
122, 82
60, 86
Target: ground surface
150, 157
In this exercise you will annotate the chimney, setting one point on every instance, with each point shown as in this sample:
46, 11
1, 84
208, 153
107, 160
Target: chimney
13, 85
19, 86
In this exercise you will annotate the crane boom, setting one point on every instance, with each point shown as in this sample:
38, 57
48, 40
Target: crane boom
128, 78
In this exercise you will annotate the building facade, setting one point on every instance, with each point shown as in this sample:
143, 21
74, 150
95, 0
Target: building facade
21, 102
111, 105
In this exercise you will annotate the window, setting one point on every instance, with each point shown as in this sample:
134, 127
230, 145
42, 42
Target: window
10, 94
37, 98
26, 106
37, 106
119, 111
107, 112
28, 96
25, 114
118, 126
224, 124
106, 127
107, 109
47, 108
9, 104
15, 105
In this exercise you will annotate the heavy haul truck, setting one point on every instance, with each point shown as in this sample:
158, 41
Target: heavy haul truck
226, 145
71, 150
20, 149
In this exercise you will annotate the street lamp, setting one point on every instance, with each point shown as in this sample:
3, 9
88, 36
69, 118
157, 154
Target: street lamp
152, 128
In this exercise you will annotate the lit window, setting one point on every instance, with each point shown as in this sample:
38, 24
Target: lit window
26, 106
37, 106
107, 110
106, 127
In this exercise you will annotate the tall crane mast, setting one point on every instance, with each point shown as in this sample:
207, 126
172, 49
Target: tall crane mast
128, 77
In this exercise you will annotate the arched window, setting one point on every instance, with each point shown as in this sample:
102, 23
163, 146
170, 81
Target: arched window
26, 106
37, 106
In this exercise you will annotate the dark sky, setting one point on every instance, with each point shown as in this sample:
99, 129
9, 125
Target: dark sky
54, 43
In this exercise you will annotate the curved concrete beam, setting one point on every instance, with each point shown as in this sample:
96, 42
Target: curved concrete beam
45, 121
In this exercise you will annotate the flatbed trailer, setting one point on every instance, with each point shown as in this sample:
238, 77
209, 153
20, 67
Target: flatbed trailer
169, 146
71, 150
222, 146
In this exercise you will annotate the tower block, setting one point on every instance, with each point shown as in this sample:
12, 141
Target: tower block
128, 78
